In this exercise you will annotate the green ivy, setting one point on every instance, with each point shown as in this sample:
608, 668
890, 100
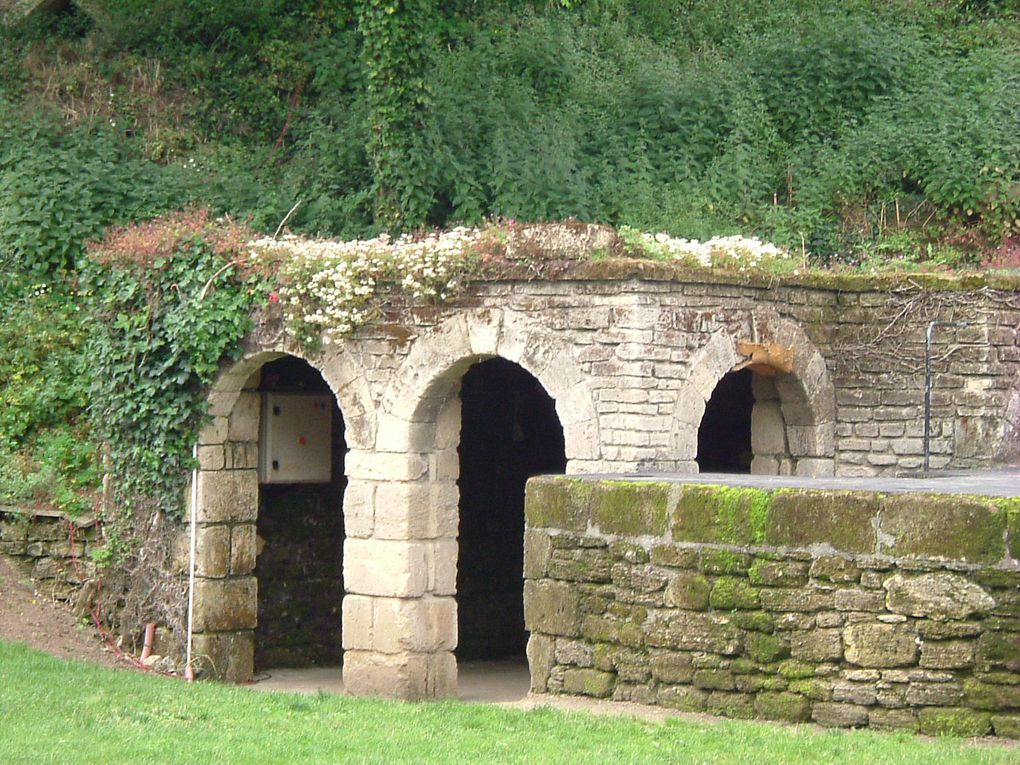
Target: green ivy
164, 325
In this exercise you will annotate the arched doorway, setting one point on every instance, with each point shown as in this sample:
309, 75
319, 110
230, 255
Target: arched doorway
509, 432
743, 429
300, 522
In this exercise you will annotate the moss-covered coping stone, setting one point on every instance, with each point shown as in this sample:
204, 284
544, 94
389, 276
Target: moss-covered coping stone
888, 609
897, 526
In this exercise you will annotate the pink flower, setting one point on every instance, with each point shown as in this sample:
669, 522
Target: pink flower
274, 297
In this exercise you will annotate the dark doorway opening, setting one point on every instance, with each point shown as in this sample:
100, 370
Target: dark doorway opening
301, 533
724, 437
509, 432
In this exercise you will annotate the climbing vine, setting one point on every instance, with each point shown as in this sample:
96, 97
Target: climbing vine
396, 65
170, 300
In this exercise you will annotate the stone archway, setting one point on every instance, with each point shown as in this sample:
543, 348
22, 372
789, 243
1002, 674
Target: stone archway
400, 614
226, 588
793, 420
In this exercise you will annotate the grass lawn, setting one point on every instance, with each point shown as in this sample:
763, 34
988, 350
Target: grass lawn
54, 711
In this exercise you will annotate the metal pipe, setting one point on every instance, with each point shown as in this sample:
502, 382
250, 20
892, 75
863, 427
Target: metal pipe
928, 383
189, 670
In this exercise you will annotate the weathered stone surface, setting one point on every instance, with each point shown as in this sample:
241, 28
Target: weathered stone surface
859, 600
675, 556
933, 694
1006, 726
855, 693
947, 654
765, 648
719, 562
575, 652
991, 697
800, 518
739, 706
693, 631
797, 599
731, 593
612, 630
243, 549
671, 667
879, 645
631, 509
227, 656
954, 528
541, 660
942, 721
835, 569
689, 591
225, 605
557, 503
212, 551
788, 707
778, 573
537, 552
817, 645
833, 715
892, 719
720, 514
682, 697
588, 682
936, 596
227, 496
552, 607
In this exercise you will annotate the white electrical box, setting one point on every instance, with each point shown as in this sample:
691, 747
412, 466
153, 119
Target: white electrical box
296, 440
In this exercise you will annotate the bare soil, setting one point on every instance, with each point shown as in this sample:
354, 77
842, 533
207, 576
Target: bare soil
27, 616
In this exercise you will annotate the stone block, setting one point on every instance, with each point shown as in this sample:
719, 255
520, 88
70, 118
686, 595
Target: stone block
854, 693
694, 631
731, 593
768, 428
405, 676
787, 707
243, 422
834, 715
764, 648
552, 608
893, 719
675, 556
671, 667
227, 496
1006, 726
835, 569
227, 656
631, 509
537, 551
541, 660
388, 568
817, 645
575, 652
418, 510
714, 679
385, 466
947, 654
989, 696
797, 599
778, 573
801, 518
682, 697
558, 503
225, 605
212, 551
950, 527
359, 509
739, 706
938, 596
933, 694
859, 600
588, 682
942, 721
211, 457
720, 514
879, 645
243, 549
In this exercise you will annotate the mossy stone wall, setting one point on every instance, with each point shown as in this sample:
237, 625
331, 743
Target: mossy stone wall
849, 609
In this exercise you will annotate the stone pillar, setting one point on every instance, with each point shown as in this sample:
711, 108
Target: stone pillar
226, 591
400, 572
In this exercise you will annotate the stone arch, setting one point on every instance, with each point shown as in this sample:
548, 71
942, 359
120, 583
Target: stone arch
400, 564
226, 599
805, 393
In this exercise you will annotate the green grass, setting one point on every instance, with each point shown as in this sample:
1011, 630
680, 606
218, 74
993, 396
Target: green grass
53, 711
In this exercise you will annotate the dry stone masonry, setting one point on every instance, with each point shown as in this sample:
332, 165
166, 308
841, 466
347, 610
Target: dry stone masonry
845, 608
631, 353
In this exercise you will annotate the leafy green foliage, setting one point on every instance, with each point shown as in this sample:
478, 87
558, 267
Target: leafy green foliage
171, 302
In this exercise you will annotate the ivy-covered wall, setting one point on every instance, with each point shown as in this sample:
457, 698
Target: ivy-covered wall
848, 609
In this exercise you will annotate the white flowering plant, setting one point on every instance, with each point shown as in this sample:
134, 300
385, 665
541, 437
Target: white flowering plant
327, 289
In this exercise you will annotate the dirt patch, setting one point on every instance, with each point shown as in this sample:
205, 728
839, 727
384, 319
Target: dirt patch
26, 616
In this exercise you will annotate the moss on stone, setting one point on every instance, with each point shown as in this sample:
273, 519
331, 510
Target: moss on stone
688, 590
968, 529
730, 593
1011, 508
628, 552
998, 649
793, 669
755, 621
675, 556
953, 721
589, 682
782, 706
765, 648
843, 519
724, 562
991, 697
812, 688
739, 706
634, 509
721, 514
1006, 726
557, 503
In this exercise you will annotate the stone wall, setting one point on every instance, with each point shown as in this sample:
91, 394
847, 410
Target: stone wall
630, 353
848, 609
39, 543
